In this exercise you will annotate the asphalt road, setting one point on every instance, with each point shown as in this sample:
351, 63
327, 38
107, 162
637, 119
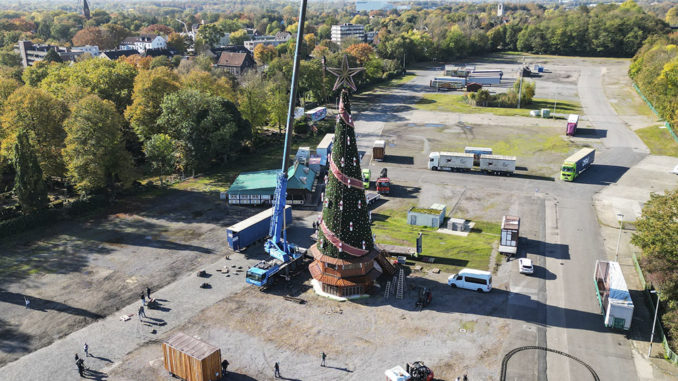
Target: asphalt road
557, 307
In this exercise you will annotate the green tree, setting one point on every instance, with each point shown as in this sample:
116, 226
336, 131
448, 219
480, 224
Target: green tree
95, 150
160, 61
238, 37
109, 80
672, 16
209, 35
33, 75
150, 87
161, 151
209, 128
53, 56
177, 42
527, 92
40, 115
252, 91
277, 101
204, 82
29, 186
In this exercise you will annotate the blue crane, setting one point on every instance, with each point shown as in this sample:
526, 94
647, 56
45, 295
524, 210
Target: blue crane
285, 255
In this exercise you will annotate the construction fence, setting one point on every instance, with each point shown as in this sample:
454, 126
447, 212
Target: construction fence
668, 353
647, 101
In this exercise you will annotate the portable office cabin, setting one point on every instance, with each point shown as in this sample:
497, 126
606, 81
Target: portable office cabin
433, 216
191, 359
510, 234
379, 150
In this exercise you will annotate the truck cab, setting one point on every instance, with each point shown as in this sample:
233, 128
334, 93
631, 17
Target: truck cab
433, 160
366, 178
383, 185
260, 274
567, 172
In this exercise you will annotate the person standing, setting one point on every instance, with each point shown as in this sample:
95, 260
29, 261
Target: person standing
86, 348
77, 358
323, 356
276, 370
143, 299
465, 378
141, 312
148, 293
28, 303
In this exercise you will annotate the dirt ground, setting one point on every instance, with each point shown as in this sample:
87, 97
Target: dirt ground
83, 270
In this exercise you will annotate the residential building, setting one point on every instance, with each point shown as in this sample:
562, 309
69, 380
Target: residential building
143, 42
31, 52
343, 32
265, 40
93, 50
236, 63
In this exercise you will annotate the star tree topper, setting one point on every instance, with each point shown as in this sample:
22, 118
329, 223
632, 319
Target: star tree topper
345, 74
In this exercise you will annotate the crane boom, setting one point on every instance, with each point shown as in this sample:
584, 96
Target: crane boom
277, 246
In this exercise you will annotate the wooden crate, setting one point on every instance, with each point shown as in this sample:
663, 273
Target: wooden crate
191, 359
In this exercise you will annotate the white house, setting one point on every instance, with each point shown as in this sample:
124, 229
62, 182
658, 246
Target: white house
143, 42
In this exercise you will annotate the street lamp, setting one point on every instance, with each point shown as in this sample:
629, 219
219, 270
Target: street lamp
620, 218
654, 323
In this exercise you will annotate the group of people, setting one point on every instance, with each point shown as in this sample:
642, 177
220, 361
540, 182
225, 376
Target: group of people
80, 363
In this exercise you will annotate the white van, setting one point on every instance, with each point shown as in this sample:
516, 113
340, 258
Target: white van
472, 280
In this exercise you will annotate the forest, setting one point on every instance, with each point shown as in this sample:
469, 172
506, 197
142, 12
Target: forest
158, 116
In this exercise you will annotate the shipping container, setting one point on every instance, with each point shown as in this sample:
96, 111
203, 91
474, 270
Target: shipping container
497, 164
574, 165
379, 150
510, 235
191, 359
613, 295
252, 229
450, 161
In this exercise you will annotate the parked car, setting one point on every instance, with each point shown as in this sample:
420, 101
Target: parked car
525, 266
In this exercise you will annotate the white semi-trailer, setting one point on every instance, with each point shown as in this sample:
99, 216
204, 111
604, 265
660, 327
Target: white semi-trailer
613, 295
498, 164
450, 161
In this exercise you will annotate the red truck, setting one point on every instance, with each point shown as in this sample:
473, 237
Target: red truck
572, 122
383, 183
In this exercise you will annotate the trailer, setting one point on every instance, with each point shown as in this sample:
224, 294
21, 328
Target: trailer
477, 151
485, 80
379, 150
191, 359
450, 161
572, 122
253, 229
498, 164
448, 83
371, 197
574, 165
324, 148
613, 296
316, 114
510, 234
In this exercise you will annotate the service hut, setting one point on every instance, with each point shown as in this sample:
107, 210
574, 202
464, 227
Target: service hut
191, 359
258, 188
433, 216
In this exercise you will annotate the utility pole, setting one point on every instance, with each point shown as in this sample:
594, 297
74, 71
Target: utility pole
654, 323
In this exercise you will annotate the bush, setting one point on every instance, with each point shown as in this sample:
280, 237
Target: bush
300, 126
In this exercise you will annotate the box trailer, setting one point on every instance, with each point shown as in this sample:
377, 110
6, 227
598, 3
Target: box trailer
191, 359
498, 164
574, 165
324, 148
510, 234
613, 296
252, 229
379, 150
449, 83
316, 114
477, 151
572, 122
450, 161
485, 80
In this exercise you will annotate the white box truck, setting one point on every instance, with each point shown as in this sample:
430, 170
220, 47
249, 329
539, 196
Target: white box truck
498, 164
510, 234
450, 161
613, 295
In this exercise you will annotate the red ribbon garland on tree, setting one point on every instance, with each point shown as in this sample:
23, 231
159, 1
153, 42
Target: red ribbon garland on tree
356, 252
346, 180
345, 116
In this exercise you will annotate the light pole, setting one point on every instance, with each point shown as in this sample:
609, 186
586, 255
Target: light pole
620, 218
654, 323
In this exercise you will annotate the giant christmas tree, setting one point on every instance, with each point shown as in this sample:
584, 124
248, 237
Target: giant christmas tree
344, 254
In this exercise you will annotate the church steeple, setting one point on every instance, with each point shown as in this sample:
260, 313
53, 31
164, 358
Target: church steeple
85, 9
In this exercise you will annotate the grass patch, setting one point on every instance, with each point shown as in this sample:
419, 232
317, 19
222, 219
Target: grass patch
266, 157
469, 326
451, 253
519, 145
455, 103
659, 140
